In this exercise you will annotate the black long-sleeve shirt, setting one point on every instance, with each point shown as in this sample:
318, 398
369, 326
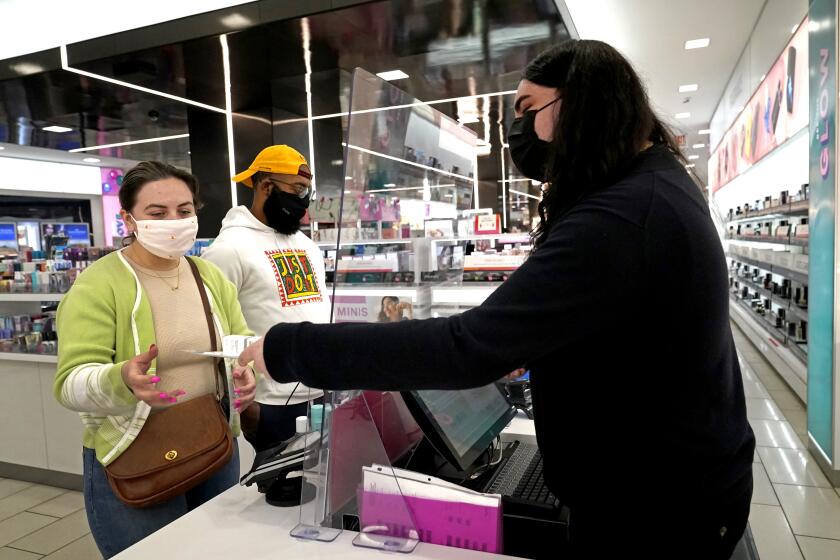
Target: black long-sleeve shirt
621, 315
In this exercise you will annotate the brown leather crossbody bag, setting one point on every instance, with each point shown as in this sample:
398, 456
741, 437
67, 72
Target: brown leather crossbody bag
179, 447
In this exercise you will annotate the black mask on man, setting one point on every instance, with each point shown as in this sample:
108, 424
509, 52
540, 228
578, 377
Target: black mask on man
284, 211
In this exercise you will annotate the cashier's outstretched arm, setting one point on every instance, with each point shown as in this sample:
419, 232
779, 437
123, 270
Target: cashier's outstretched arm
556, 299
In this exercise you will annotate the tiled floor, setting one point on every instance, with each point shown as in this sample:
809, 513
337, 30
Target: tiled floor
43, 522
795, 512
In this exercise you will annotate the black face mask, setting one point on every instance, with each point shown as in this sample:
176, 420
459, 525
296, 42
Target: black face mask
284, 211
528, 151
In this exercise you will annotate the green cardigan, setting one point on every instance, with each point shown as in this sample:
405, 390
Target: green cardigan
105, 320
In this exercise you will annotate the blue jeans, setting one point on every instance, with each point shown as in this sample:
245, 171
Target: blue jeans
116, 526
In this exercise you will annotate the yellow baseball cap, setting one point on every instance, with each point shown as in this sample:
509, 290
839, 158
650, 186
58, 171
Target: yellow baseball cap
275, 159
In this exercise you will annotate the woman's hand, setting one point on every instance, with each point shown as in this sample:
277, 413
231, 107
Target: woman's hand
515, 374
245, 387
144, 386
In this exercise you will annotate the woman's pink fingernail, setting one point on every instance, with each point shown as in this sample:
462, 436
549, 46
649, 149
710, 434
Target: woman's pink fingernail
155, 379
237, 391
173, 400
164, 396
238, 403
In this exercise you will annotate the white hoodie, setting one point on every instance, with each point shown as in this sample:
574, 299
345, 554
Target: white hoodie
280, 279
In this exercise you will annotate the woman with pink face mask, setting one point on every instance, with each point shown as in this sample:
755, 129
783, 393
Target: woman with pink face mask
129, 328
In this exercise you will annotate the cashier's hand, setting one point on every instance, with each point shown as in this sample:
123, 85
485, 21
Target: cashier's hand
144, 386
515, 374
252, 353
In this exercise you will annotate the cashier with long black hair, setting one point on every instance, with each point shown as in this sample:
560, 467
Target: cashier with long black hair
621, 313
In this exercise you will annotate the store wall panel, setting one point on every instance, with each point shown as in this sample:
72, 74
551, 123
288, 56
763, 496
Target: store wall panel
822, 306
22, 440
63, 429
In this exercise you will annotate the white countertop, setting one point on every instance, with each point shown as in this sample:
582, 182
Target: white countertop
240, 524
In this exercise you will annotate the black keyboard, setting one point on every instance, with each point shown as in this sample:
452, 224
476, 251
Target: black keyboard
521, 477
531, 486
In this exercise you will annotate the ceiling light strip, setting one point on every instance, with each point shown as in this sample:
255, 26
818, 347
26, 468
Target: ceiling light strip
524, 194
307, 62
504, 169
130, 143
405, 161
66, 66
234, 198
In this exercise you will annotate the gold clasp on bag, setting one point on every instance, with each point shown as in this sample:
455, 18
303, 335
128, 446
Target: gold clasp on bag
171, 455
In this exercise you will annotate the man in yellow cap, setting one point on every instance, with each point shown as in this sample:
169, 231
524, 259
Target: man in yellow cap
279, 273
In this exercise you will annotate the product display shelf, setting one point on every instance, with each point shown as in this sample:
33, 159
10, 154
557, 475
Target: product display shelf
466, 294
790, 365
792, 209
30, 297
790, 307
792, 241
794, 310
24, 357
758, 288
796, 275
777, 333
500, 237
799, 349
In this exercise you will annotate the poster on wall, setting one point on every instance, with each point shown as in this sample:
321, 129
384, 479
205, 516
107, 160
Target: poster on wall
372, 309
776, 111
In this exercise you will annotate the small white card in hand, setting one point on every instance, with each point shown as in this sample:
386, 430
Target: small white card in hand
217, 354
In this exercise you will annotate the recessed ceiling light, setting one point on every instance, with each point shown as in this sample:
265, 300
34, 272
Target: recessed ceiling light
236, 20
682, 115
348, 178
91, 160
693, 156
24, 68
762, 77
56, 129
392, 75
793, 30
697, 43
688, 87
386, 185
698, 146
2, 147
704, 131
690, 166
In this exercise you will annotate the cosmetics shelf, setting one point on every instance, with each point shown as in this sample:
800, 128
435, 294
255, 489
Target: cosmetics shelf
799, 349
792, 241
22, 357
789, 305
30, 297
794, 270
776, 332
800, 207
779, 336
797, 312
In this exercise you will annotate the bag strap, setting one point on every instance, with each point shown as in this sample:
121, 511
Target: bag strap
208, 314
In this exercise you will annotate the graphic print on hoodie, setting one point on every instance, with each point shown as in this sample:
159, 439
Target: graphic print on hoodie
297, 281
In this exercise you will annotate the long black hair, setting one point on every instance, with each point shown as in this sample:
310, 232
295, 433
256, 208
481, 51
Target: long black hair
604, 122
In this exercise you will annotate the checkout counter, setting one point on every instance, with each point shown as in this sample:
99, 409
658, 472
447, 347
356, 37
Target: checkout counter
240, 524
